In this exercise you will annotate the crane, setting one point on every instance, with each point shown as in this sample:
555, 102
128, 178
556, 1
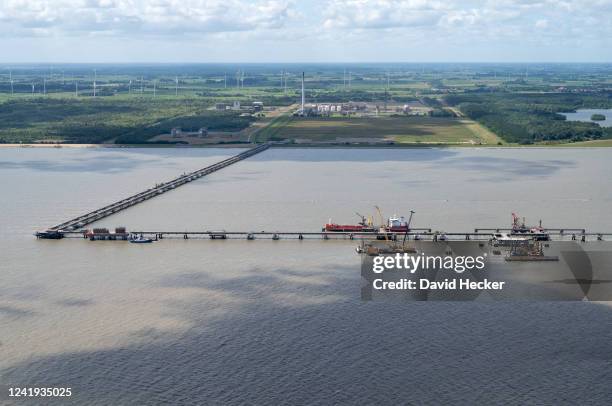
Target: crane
365, 221
382, 223
407, 227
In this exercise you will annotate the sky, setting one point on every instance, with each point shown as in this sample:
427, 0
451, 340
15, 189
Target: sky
186, 31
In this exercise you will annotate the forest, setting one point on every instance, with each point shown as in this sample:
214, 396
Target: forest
527, 118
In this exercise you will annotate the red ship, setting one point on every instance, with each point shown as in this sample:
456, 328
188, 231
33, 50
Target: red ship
364, 226
347, 228
394, 224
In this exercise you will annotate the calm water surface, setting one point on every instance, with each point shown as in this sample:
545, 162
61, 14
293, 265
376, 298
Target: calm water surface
585, 115
225, 322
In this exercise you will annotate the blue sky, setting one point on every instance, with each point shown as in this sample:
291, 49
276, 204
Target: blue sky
305, 31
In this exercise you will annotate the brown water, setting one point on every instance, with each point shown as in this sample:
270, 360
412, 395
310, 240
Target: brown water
224, 322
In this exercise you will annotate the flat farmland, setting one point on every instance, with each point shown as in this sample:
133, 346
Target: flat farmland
411, 129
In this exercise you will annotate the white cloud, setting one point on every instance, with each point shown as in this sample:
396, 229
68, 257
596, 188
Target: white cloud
335, 29
376, 14
150, 17
457, 18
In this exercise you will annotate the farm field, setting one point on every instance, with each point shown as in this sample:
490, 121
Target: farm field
409, 130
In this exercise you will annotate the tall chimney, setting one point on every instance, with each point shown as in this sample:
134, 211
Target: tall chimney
303, 112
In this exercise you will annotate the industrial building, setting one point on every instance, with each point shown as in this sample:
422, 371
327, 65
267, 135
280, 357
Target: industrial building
178, 132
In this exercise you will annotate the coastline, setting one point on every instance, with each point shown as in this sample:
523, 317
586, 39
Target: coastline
584, 144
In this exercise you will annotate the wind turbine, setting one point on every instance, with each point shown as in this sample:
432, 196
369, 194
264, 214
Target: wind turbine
11, 80
32, 89
130, 87
176, 89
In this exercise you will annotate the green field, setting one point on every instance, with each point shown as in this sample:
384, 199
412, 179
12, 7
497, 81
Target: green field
135, 104
411, 129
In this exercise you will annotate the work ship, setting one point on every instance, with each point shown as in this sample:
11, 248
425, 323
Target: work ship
527, 270
534, 263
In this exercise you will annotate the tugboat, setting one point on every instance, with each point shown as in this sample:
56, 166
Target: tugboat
140, 240
49, 235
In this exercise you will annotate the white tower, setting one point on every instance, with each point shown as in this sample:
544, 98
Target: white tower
303, 111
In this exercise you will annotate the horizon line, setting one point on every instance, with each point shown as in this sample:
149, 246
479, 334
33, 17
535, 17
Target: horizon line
306, 63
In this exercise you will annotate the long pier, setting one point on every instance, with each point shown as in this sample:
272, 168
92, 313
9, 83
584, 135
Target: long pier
88, 218
414, 234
